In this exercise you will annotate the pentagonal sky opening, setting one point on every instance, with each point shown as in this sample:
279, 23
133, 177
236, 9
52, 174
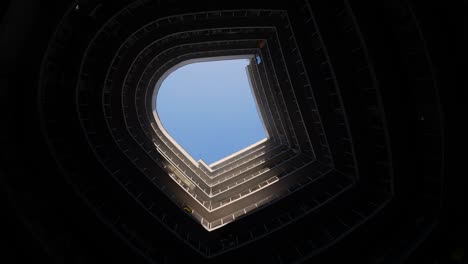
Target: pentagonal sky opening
209, 110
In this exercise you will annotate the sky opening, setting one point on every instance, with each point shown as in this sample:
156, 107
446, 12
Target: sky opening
209, 110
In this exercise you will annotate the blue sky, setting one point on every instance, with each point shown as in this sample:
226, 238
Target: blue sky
208, 108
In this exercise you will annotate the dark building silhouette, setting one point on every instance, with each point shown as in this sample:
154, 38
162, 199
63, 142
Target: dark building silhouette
358, 100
